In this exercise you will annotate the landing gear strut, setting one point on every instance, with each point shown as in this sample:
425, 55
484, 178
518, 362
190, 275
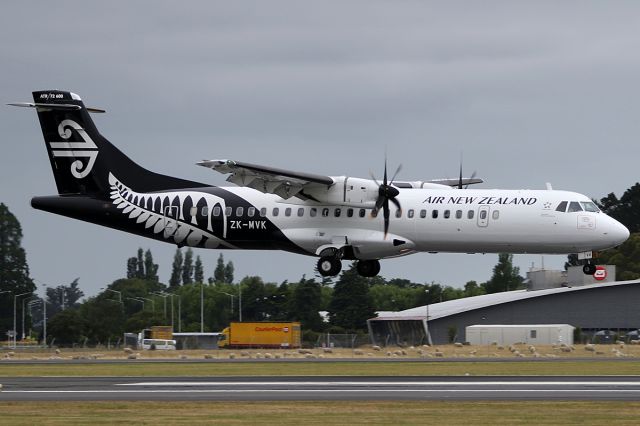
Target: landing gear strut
329, 266
368, 268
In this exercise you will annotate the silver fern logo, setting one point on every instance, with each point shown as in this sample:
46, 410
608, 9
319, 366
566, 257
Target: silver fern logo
164, 212
86, 149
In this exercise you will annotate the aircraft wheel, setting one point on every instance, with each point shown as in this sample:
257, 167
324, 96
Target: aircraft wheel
589, 269
329, 266
368, 268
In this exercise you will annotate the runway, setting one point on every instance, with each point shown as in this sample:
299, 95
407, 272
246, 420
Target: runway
300, 388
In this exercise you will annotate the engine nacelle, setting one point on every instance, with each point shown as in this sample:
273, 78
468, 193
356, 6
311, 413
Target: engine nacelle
347, 191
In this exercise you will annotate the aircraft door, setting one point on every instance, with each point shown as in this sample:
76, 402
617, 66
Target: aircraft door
170, 220
483, 216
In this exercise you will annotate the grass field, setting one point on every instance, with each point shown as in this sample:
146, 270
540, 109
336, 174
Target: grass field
318, 412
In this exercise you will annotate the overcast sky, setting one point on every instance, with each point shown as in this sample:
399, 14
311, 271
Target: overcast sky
530, 92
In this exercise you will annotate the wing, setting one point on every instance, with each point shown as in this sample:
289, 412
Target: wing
284, 183
456, 182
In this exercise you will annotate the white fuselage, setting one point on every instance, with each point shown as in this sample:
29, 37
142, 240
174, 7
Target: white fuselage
446, 220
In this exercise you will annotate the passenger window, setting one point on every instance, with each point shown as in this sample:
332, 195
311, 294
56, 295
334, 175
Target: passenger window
398, 213
434, 214
239, 211
447, 213
228, 211
313, 212
193, 211
495, 215
325, 212
574, 206
349, 212
423, 213
483, 214
205, 211
263, 212
287, 211
410, 213
562, 207
251, 211
216, 211
470, 214
337, 212
458, 214
301, 212
362, 212
276, 211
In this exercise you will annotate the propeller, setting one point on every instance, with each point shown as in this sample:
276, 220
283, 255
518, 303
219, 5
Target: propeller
460, 176
386, 193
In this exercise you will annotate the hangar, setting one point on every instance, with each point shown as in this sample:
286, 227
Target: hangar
590, 308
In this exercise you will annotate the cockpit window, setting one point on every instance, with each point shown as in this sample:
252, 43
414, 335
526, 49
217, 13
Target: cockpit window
574, 206
589, 206
562, 207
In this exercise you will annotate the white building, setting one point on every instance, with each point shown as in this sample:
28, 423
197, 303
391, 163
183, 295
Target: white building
534, 334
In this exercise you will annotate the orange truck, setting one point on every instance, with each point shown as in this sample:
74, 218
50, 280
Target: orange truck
260, 335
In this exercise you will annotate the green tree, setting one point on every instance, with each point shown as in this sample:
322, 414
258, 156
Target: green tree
63, 297
228, 273
187, 267
14, 271
132, 267
67, 327
140, 264
176, 270
505, 277
351, 305
626, 209
471, 288
305, 304
218, 273
626, 257
198, 271
150, 268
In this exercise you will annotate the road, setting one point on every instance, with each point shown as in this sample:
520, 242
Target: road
300, 388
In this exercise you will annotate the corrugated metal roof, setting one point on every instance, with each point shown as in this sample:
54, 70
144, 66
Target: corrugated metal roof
453, 307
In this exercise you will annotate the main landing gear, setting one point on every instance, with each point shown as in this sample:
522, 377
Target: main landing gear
330, 266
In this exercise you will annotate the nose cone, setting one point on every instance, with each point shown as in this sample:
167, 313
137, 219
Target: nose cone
617, 232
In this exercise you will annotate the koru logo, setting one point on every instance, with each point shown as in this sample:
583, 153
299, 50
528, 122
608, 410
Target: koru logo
86, 149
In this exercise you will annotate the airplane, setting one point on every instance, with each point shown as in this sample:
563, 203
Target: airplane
333, 218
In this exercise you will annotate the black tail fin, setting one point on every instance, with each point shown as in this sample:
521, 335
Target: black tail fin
81, 158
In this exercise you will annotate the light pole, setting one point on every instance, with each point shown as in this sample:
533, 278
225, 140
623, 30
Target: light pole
119, 296
426, 321
231, 296
24, 300
202, 307
164, 299
239, 301
153, 303
15, 332
137, 300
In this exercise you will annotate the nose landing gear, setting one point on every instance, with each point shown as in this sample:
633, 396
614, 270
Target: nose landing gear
589, 268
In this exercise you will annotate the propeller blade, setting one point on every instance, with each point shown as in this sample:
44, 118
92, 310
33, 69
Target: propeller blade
396, 174
472, 176
385, 182
396, 202
460, 176
385, 207
374, 178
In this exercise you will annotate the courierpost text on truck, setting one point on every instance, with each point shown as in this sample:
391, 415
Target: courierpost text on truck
261, 335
